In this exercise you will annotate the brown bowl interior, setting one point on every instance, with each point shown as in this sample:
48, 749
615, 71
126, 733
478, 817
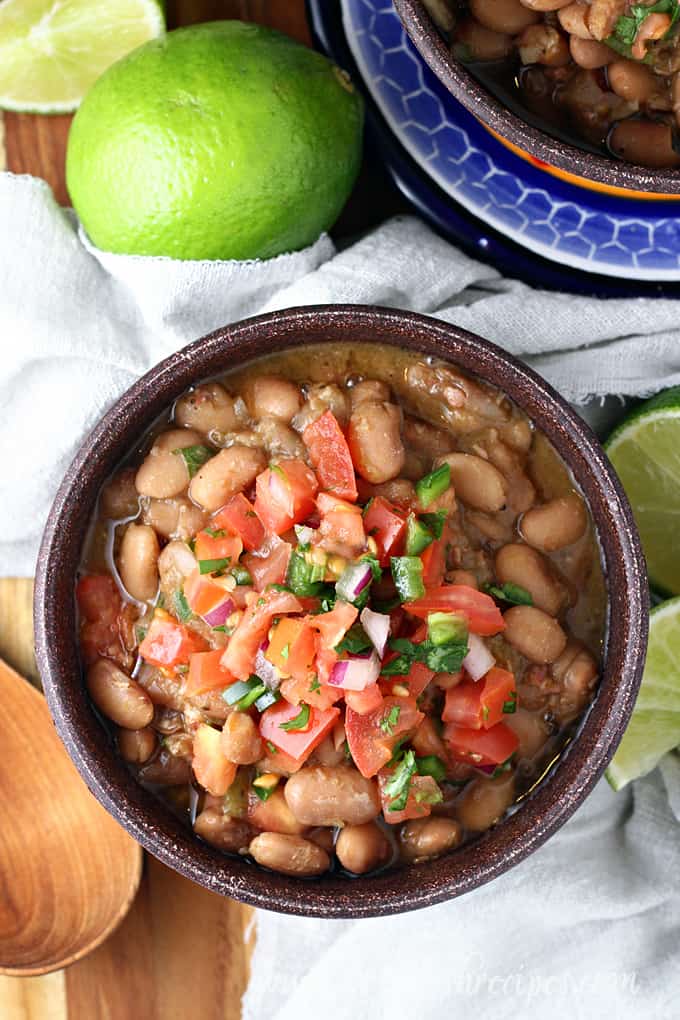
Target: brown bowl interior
146, 818
482, 104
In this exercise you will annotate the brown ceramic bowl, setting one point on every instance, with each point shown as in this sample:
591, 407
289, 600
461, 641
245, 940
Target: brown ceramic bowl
587, 169
150, 821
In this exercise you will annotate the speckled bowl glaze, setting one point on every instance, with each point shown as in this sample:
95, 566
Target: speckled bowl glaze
146, 818
579, 166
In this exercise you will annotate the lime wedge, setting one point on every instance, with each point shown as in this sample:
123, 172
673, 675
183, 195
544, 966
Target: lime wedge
645, 451
52, 51
654, 727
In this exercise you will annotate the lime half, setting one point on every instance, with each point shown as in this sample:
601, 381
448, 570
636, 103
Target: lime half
52, 51
654, 727
645, 451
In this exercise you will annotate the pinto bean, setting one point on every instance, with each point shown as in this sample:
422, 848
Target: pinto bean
543, 44
572, 18
175, 563
517, 434
424, 838
484, 801
465, 577
493, 528
531, 730
537, 636
441, 14
136, 746
163, 473
119, 497
634, 82
589, 53
576, 671
118, 696
508, 16
138, 561
555, 524
602, 16
270, 396
426, 439
645, 142
291, 855
279, 439
231, 471
223, 831
207, 408
522, 565
374, 439
545, 5
476, 482
328, 754
362, 848
174, 518
480, 42
368, 389
166, 770
320, 795
240, 740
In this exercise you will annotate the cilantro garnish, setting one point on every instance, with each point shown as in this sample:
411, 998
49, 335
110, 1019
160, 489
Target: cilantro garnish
510, 592
299, 722
194, 457
391, 719
439, 658
181, 606
355, 641
510, 706
398, 786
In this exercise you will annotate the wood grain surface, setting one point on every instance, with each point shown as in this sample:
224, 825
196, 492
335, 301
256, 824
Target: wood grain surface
181, 951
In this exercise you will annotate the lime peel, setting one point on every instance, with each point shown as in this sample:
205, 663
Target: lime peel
654, 727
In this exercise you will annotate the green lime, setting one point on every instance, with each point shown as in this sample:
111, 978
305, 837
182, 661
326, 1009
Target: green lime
220, 141
645, 450
654, 727
51, 51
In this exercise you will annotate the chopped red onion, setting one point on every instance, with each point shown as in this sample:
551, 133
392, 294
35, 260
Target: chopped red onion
353, 580
377, 627
265, 670
356, 672
479, 659
219, 615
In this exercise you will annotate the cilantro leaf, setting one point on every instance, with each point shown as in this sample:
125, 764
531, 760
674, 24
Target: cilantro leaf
510, 592
194, 457
355, 641
510, 706
182, 609
391, 719
446, 658
628, 25
298, 722
398, 786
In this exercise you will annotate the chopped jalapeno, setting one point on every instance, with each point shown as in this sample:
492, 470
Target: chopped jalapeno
434, 485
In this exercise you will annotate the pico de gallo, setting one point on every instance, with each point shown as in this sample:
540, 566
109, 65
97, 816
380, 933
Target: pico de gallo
341, 620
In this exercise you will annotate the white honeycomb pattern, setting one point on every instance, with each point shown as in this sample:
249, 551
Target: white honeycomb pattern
594, 232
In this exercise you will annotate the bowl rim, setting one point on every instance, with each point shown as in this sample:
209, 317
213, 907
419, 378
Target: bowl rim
462, 84
147, 819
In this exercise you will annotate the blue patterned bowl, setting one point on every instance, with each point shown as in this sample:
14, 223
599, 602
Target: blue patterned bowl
576, 226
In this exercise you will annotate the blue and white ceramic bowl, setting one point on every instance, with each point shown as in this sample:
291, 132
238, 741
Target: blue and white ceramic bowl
592, 231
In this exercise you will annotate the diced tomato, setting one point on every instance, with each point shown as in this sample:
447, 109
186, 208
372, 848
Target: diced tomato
482, 614
285, 495
434, 564
276, 761
206, 673
218, 547
269, 569
423, 792
418, 678
299, 744
212, 768
333, 626
326, 659
372, 737
168, 643
203, 593
273, 814
311, 691
107, 625
330, 456
364, 701
481, 747
239, 658
479, 705
384, 523
342, 525
292, 647
238, 516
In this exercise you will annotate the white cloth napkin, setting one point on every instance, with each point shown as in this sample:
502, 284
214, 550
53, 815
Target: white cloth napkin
588, 922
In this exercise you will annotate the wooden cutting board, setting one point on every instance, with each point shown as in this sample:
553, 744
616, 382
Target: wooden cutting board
182, 951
